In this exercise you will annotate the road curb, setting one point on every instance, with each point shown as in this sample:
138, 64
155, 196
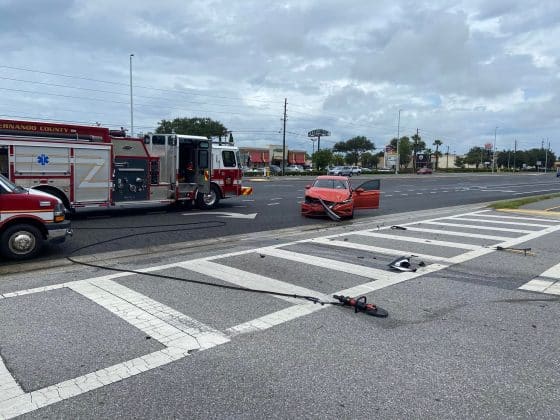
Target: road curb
532, 212
218, 243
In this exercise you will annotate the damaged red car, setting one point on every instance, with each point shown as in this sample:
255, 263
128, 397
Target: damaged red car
334, 197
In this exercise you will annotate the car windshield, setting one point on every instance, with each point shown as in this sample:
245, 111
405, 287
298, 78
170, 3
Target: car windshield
334, 184
6, 184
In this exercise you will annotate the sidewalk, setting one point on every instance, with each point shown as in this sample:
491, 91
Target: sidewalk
547, 208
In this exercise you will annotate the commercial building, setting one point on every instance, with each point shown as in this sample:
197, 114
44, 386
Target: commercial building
259, 157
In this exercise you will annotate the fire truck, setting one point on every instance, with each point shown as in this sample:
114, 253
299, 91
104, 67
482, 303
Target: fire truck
89, 167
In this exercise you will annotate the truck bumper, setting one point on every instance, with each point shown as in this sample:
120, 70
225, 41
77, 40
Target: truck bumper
57, 232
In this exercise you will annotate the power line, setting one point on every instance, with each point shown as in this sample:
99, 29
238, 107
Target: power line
184, 92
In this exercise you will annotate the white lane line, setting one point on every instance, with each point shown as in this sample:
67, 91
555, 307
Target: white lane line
477, 227
371, 248
249, 280
404, 194
203, 334
433, 192
358, 270
294, 312
537, 285
9, 388
552, 272
150, 316
389, 195
469, 219
273, 204
534, 219
531, 192
117, 299
420, 240
275, 198
397, 191
419, 193
455, 233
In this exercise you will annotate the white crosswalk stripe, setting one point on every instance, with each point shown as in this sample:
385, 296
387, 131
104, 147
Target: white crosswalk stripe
181, 334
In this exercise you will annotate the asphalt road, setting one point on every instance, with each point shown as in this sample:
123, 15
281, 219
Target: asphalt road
472, 334
275, 205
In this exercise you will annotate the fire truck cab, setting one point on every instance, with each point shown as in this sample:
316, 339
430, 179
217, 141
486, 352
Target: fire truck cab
28, 218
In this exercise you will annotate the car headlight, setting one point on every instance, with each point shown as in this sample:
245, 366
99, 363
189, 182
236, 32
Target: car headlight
59, 213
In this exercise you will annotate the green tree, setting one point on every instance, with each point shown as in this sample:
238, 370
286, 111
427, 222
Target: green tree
476, 156
337, 160
417, 145
354, 148
369, 160
322, 158
459, 162
405, 150
437, 153
193, 126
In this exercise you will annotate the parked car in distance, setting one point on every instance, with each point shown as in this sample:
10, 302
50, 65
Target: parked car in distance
424, 171
341, 171
333, 196
275, 170
356, 170
293, 169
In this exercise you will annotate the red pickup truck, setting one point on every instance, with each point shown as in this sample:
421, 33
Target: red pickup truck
29, 218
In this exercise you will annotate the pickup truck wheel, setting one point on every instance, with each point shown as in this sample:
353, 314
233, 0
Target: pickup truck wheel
19, 242
208, 201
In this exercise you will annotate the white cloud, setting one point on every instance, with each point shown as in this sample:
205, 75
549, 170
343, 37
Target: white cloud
454, 68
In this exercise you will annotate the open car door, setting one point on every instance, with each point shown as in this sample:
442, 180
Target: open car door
366, 196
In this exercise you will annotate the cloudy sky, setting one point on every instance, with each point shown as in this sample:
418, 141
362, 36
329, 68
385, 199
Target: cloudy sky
455, 69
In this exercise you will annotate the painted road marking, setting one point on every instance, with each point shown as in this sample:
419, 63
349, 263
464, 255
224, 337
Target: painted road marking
249, 280
534, 219
183, 334
371, 248
548, 282
420, 240
500, 222
455, 233
478, 227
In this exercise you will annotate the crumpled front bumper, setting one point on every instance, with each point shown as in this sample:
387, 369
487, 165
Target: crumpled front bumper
316, 209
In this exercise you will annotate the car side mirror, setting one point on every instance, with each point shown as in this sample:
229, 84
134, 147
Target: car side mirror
307, 187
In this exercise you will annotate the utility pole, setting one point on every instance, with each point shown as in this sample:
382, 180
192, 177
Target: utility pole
398, 161
494, 150
514, 152
284, 140
447, 162
546, 156
415, 147
131, 106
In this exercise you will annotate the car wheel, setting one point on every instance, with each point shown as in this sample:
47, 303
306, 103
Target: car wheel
22, 241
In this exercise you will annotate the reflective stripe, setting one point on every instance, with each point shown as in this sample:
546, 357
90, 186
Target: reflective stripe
46, 215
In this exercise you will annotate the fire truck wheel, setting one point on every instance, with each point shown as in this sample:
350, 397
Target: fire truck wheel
209, 201
19, 242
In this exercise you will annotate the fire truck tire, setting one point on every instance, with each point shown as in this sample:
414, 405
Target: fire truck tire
19, 242
209, 201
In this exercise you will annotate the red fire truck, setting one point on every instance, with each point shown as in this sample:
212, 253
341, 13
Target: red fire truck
96, 167
28, 218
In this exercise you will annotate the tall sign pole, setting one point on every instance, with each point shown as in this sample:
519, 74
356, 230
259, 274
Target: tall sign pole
131, 107
318, 132
284, 140
398, 135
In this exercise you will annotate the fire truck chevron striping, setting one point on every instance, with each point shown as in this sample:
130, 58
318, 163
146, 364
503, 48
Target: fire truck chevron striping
96, 167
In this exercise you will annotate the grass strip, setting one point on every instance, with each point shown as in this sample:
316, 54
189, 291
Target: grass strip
515, 204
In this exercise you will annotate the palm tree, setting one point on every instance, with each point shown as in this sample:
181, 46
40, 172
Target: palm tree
437, 143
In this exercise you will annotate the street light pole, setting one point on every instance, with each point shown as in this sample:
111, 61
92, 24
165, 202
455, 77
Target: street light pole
494, 151
131, 105
398, 137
